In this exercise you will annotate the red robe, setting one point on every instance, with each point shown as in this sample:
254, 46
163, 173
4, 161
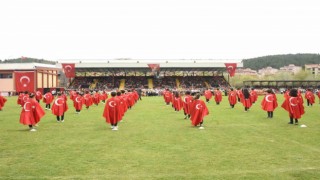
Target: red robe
31, 112
112, 110
3, 100
253, 96
198, 111
208, 94
48, 98
177, 103
122, 105
19, 100
269, 102
310, 96
103, 96
187, 101
38, 95
59, 106
96, 98
294, 106
240, 95
167, 96
25, 97
78, 102
217, 96
87, 100
247, 102
232, 97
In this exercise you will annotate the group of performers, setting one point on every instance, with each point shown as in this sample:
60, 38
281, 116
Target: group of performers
115, 107
193, 107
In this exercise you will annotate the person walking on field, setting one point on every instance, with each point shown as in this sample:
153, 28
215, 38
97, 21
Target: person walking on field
217, 96
269, 103
31, 113
112, 112
208, 95
294, 105
310, 97
232, 97
48, 98
187, 100
198, 111
246, 100
3, 100
59, 107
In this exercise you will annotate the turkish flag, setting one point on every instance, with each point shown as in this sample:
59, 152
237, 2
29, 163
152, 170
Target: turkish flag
231, 68
154, 67
24, 81
69, 70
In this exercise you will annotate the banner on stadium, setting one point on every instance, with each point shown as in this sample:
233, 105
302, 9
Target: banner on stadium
69, 70
231, 68
24, 81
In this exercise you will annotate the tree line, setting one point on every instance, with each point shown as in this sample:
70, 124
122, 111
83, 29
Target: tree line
277, 61
27, 60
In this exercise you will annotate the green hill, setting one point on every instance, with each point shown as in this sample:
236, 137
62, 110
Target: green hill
277, 61
27, 60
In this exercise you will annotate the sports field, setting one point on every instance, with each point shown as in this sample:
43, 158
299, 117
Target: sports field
155, 142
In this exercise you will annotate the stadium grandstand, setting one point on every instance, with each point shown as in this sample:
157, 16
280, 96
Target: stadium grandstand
173, 74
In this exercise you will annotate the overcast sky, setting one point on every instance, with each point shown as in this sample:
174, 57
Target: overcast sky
157, 29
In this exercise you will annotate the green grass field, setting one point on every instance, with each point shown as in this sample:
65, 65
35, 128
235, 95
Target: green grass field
154, 142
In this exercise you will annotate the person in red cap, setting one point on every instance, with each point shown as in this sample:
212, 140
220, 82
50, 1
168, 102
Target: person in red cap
59, 107
112, 112
208, 95
48, 98
3, 100
198, 111
310, 97
31, 113
269, 103
232, 97
294, 105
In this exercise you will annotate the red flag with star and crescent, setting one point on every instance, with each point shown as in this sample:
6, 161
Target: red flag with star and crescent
231, 68
69, 70
24, 81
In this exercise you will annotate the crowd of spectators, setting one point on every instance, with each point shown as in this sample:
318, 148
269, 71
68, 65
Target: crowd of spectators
171, 82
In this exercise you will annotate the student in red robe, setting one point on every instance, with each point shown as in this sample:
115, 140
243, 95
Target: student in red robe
47, 99
87, 99
239, 95
112, 111
198, 111
38, 96
96, 98
167, 95
187, 101
177, 103
103, 97
3, 100
59, 107
310, 97
269, 103
208, 95
122, 105
232, 97
78, 102
25, 97
217, 96
253, 96
294, 106
19, 100
31, 113
246, 101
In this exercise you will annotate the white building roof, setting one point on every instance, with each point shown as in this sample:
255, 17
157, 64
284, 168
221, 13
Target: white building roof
24, 66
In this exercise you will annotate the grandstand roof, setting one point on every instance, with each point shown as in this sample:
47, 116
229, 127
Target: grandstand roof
165, 65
